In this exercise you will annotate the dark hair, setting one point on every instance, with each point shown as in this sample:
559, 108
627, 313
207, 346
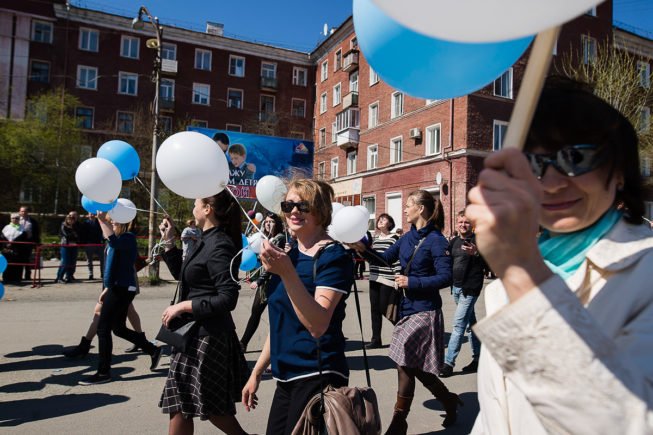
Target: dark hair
221, 137
227, 212
570, 113
278, 224
433, 208
389, 218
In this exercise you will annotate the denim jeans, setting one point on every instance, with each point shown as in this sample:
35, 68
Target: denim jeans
463, 316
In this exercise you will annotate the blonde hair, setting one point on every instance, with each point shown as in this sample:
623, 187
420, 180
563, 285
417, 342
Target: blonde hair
319, 196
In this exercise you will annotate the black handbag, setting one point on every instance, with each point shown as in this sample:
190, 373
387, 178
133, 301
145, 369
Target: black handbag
394, 300
180, 332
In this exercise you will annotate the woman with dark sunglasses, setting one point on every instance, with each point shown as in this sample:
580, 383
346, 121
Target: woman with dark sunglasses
568, 338
306, 304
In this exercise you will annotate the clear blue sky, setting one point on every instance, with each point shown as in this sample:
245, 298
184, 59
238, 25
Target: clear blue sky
295, 24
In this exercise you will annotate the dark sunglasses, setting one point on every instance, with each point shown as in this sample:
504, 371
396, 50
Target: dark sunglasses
288, 206
572, 160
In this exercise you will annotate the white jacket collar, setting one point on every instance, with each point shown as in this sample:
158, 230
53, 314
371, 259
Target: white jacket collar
622, 246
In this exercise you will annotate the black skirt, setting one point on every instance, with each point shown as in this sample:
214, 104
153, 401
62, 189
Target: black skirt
207, 380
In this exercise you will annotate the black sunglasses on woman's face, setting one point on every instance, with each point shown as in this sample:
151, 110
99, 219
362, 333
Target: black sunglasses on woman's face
288, 206
572, 160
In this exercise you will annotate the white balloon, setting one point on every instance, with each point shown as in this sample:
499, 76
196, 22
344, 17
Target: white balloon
331, 232
270, 191
350, 225
483, 20
336, 207
364, 209
255, 241
99, 180
123, 212
259, 217
192, 165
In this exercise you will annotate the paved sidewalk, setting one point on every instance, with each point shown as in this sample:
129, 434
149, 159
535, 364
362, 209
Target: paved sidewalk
39, 392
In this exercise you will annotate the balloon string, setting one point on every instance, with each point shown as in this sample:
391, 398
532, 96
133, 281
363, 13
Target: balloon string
248, 225
245, 213
152, 196
142, 209
231, 268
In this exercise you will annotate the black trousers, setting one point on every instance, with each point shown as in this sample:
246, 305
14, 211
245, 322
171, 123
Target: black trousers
112, 319
379, 297
290, 399
258, 307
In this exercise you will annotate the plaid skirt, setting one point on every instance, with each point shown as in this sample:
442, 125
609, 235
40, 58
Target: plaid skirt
418, 341
207, 379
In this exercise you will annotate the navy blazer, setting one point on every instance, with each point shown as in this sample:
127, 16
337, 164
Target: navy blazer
206, 281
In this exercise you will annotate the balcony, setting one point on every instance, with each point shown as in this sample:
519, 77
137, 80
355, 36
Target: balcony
350, 100
350, 62
269, 83
348, 139
348, 128
167, 104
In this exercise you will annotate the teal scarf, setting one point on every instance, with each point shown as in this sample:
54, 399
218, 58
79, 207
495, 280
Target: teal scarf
565, 253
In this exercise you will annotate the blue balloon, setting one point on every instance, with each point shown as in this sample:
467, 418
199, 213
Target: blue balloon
94, 207
3, 263
2, 290
249, 260
123, 155
245, 241
427, 67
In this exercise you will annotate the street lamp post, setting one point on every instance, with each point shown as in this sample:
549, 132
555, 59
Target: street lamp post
138, 24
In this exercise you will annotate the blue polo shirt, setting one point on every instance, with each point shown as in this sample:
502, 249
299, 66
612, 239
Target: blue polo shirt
293, 350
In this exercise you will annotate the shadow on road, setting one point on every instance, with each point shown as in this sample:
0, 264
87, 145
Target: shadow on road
18, 412
377, 362
466, 414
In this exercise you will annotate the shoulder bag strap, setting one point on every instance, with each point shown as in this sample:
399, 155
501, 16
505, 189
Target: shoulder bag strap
174, 298
413, 256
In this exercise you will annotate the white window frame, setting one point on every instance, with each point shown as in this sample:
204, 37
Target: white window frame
274, 103
372, 156
352, 162
337, 59
645, 166
127, 45
432, 131
321, 171
334, 167
497, 142
321, 139
393, 108
337, 94
92, 109
236, 58
324, 71
299, 73
323, 102
396, 154
644, 69
199, 95
47, 24
373, 120
353, 81
133, 115
165, 123
372, 220
78, 81
166, 49
242, 98
588, 48
292, 107
203, 63
127, 77
264, 70
167, 84
31, 68
233, 127
498, 87
86, 39
591, 11
374, 77
644, 120
334, 132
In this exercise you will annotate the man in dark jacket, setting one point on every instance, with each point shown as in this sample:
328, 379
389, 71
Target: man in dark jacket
468, 273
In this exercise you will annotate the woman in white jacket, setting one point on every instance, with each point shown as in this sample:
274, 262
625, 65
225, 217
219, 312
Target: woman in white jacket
568, 339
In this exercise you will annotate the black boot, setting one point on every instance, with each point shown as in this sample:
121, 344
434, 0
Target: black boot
449, 400
135, 347
399, 425
79, 351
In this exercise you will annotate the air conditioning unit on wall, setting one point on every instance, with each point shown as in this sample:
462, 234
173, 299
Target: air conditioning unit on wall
414, 133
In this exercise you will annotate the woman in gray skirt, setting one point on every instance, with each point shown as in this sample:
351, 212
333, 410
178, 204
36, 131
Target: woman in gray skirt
206, 379
417, 345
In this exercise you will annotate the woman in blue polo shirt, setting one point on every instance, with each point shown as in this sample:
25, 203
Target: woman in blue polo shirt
306, 303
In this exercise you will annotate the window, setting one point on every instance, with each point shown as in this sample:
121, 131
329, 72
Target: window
129, 47
168, 51
299, 76
323, 102
374, 77
589, 48
498, 134
349, 118
321, 170
234, 127
336, 94
373, 116
397, 105
322, 138
39, 71
352, 158
370, 204
88, 39
372, 156
337, 60
503, 85
591, 12
334, 132
202, 59
165, 124
128, 83
125, 122
199, 123
644, 73
269, 70
324, 71
167, 90
353, 82
334, 168
42, 31
236, 66
353, 44
645, 166
298, 108
396, 149
297, 135
86, 77
433, 144
201, 93
84, 117
267, 104
644, 120
235, 98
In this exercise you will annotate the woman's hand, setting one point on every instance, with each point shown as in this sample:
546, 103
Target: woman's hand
504, 209
469, 248
253, 285
274, 259
356, 246
175, 310
167, 228
249, 398
102, 216
103, 295
401, 281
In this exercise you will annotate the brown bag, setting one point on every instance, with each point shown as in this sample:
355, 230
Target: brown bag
392, 309
347, 411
